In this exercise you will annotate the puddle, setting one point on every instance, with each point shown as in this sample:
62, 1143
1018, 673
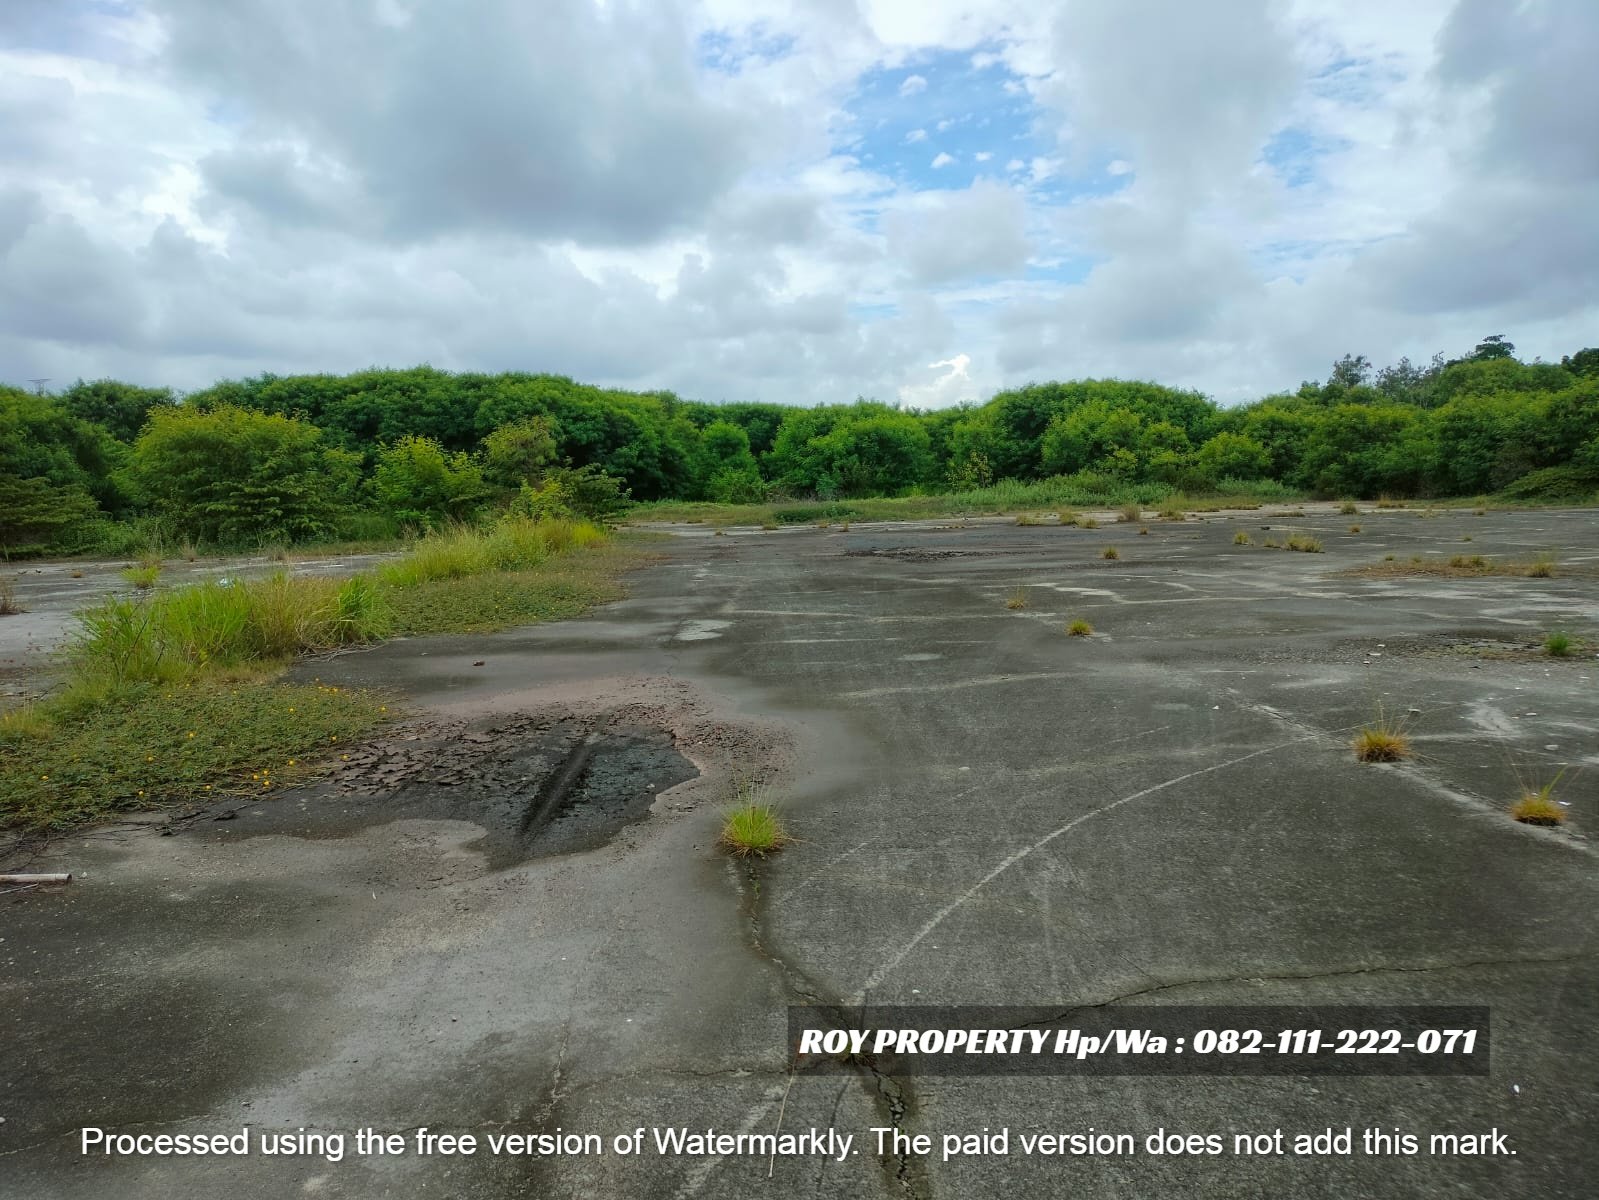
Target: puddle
553, 787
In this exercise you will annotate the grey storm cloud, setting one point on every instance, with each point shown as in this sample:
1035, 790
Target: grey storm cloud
554, 119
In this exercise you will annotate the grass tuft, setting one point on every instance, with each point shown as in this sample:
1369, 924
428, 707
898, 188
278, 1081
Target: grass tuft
1304, 543
1086, 523
1557, 645
1242, 539
1383, 741
1017, 599
1542, 567
1111, 553
1131, 513
1354, 529
1143, 531
752, 826
1079, 628
142, 577
1349, 508
9, 605
1538, 806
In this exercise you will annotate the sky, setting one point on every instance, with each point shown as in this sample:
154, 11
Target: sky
918, 201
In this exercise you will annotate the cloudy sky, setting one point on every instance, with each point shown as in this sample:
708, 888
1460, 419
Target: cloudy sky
915, 200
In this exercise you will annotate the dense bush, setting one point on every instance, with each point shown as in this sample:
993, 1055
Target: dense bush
314, 456
232, 476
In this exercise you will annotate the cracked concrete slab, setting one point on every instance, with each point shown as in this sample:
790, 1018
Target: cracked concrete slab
988, 812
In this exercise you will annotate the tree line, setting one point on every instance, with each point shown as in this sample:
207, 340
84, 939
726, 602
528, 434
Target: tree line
305, 457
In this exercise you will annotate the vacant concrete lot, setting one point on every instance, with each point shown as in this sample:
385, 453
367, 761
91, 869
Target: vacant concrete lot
511, 917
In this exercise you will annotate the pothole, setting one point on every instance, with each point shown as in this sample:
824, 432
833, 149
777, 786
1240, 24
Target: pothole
537, 788
605, 782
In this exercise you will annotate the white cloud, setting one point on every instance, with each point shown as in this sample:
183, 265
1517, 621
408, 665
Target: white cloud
954, 386
190, 190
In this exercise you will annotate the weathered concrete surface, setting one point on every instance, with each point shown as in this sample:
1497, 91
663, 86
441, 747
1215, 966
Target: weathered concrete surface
989, 812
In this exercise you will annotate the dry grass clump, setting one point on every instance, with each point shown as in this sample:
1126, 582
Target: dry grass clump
1130, 513
1304, 543
1027, 519
1389, 502
1143, 531
8, 597
1079, 628
1086, 523
1111, 553
1538, 806
1542, 567
1242, 538
1017, 599
1349, 508
1382, 741
1354, 529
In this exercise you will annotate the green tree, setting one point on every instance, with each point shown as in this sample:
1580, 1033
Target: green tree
232, 476
1233, 456
121, 409
518, 453
420, 483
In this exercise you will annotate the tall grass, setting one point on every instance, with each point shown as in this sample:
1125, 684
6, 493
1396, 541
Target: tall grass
124, 640
512, 544
169, 635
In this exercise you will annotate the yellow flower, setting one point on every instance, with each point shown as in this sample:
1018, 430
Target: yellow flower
44, 777
291, 762
191, 733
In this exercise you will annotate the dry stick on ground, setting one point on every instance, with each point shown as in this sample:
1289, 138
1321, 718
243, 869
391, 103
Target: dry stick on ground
25, 880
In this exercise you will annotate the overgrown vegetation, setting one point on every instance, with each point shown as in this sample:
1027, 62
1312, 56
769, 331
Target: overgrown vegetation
171, 695
109, 466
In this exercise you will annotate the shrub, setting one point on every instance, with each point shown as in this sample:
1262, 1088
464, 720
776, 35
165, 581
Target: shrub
422, 484
568, 492
1557, 645
234, 477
